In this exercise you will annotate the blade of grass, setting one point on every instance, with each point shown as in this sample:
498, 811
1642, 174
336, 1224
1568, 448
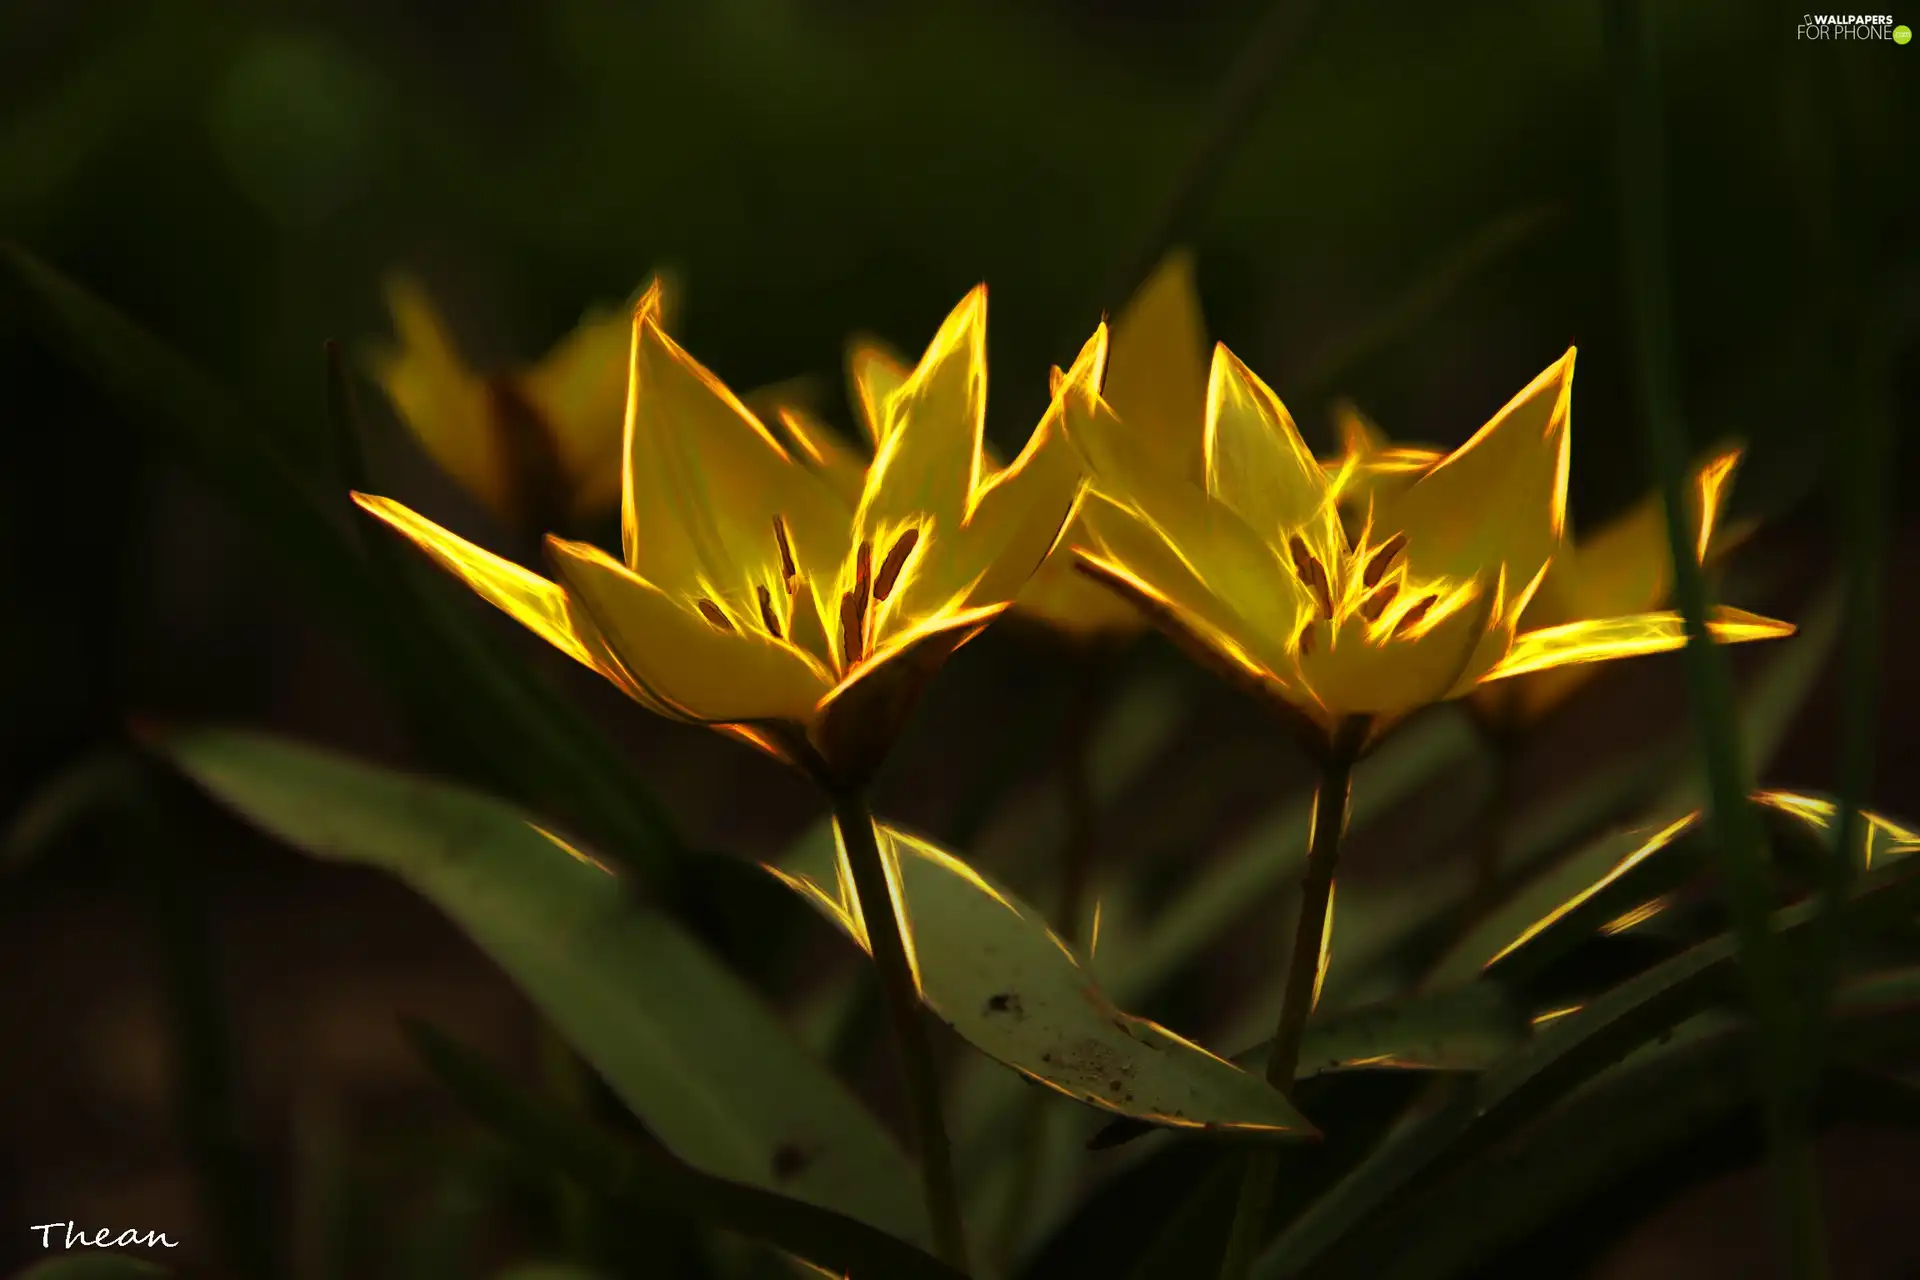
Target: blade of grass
1632, 61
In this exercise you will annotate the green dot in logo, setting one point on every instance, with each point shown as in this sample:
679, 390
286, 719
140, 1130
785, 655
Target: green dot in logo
1902, 34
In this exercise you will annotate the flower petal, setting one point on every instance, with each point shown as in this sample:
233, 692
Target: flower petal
928, 461
1016, 518
441, 401
1500, 498
706, 481
1349, 674
704, 672
1257, 464
580, 391
1157, 371
1599, 639
531, 600
876, 374
830, 457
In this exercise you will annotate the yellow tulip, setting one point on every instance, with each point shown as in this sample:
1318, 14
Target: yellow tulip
760, 591
536, 445
1622, 569
1427, 597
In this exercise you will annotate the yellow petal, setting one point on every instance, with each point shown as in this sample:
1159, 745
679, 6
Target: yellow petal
1500, 498
1257, 464
876, 374
830, 457
706, 481
1157, 372
1371, 466
580, 391
1016, 518
1060, 596
1194, 551
442, 402
1599, 639
531, 600
928, 461
1350, 675
704, 672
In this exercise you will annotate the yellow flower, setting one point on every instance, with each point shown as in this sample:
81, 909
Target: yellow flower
536, 445
760, 596
1353, 628
1624, 568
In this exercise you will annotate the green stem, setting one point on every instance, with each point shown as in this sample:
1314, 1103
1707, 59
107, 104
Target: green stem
900, 995
1303, 972
1738, 836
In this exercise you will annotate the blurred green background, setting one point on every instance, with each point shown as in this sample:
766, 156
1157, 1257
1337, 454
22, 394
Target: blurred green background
1417, 209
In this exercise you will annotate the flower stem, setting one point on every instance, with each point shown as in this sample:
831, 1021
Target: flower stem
1303, 974
901, 997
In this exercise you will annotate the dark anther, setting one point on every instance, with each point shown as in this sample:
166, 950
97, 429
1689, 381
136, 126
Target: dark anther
1306, 640
1376, 604
1382, 560
711, 612
787, 569
767, 615
853, 608
896, 560
1313, 574
1414, 614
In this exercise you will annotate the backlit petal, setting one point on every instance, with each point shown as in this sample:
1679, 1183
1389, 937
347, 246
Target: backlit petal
1157, 371
1349, 675
822, 449
1500, 498
928, 461
580, 391
531, 600
706, 480
702, 671
1599, 639
1257, 464
441, 401
875, 373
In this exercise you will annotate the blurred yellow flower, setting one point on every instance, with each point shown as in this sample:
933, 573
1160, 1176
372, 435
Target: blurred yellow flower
539, 445
1422, 600
1624, 568
761, 591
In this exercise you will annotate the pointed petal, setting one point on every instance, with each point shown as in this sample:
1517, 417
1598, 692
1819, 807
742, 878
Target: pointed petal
1015, 519
1169, 534
704, 672
706, 480
928, 461
441, 401
1157, 372
1258, 465
1500, 498
875, 373
1350, 675
580, 391
1599, 639
531, 600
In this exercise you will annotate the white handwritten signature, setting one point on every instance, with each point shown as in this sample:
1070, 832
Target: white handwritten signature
106, 1238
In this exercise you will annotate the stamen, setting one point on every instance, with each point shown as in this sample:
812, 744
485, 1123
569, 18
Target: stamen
1383, 559
787, 569
1306, 641
1413, 615
853, 608
767, 615
1313, 574
1376, 604
896, 560
711, 612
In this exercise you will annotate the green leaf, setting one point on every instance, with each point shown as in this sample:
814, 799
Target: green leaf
1563, 1054
682, 1041
92, 1266
995, 973
643, 1175
1629, 1115
1463, 1028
